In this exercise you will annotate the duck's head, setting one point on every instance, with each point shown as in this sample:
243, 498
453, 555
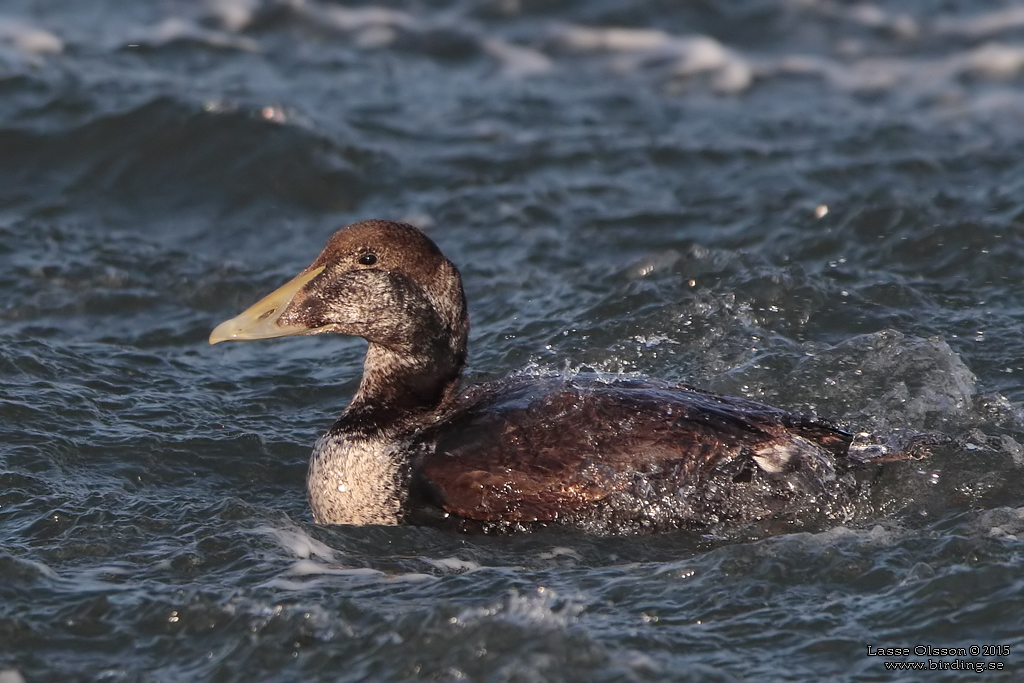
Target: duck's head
386, 282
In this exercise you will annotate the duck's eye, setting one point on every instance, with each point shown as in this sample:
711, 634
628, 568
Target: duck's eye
368, 259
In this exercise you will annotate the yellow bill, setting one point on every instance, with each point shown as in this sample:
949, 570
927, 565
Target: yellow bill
261, 320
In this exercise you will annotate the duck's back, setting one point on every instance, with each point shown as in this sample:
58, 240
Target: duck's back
618, 456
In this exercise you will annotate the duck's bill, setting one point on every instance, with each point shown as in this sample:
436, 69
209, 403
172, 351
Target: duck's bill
262, 320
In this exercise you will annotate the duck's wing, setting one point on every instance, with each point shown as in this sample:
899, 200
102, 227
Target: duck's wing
544, 450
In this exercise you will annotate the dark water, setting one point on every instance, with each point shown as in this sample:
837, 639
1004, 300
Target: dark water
818, 204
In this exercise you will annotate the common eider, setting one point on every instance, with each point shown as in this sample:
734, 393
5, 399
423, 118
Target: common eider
605, 456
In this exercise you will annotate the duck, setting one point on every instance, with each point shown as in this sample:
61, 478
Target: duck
612, 455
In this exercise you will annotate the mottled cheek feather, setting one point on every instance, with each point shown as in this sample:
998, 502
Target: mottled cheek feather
315, 312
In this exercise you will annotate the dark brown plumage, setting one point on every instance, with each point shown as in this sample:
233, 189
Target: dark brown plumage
605, 456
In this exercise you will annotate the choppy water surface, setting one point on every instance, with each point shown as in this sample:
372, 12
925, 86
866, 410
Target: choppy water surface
814, 203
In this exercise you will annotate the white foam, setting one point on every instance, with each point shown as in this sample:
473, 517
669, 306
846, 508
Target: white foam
515, 60
234, 15
311, 568
298, 542
611, 39
354, 19
453, 564
993, 60
560, 551
866, 64
175, 29
901, 25
543, 608
29, 39
676, 59
411, 577
981, 25
688, 55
